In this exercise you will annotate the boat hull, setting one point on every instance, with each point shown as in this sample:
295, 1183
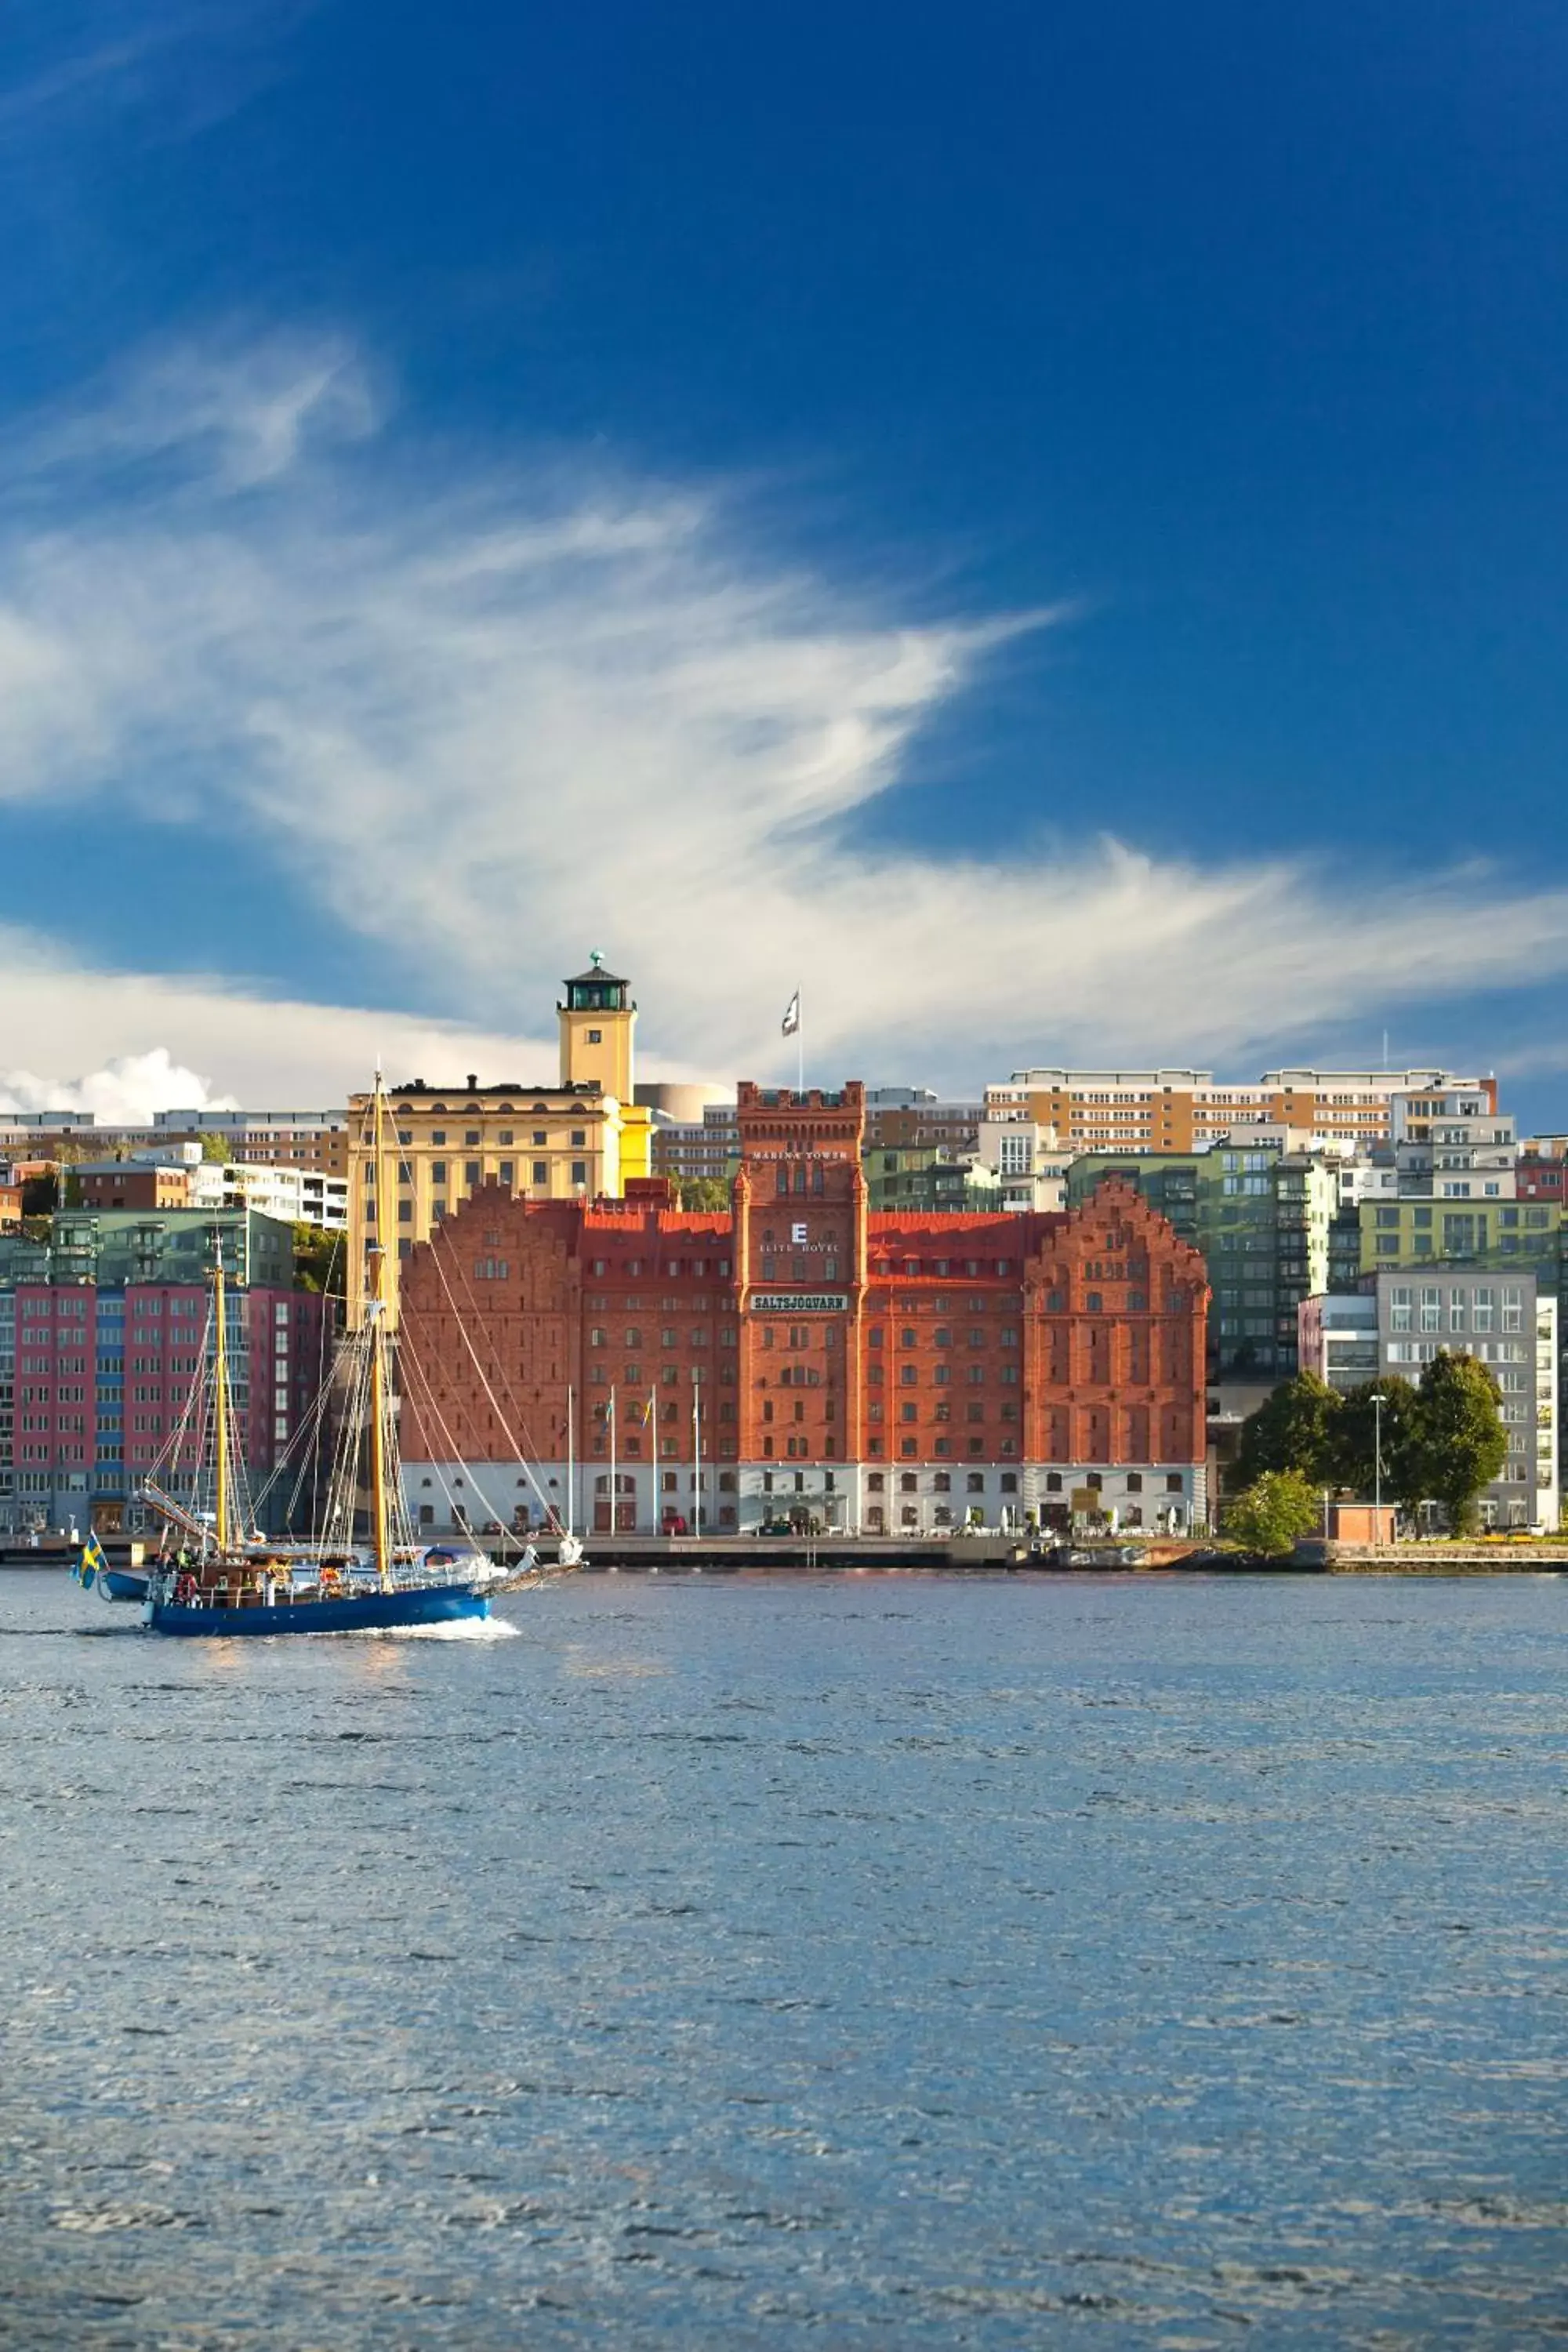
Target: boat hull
121, 1586
359, 1613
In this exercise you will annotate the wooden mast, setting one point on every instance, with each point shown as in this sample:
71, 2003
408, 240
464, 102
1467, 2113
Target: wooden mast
220, 1404
376, 1255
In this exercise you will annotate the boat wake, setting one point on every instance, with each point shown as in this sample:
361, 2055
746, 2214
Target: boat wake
464, 1628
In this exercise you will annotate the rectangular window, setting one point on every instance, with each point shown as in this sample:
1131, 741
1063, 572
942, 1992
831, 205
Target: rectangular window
579, 1171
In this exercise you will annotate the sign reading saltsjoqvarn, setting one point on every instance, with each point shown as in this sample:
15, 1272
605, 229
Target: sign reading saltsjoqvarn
798, 1302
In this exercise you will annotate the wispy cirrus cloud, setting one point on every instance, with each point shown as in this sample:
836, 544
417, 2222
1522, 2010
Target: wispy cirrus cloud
492, 710
182, 64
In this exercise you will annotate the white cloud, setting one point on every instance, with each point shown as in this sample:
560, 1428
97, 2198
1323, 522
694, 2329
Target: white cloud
493, 720
245, 408
129, 1090
222, 1046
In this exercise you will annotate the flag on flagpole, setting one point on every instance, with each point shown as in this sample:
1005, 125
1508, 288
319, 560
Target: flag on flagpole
92, 1562
792, 1015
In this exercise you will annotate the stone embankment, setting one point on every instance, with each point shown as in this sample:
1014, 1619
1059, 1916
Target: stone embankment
1440, 1559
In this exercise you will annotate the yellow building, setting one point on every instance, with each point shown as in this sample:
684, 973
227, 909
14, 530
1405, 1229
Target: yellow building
581, 1139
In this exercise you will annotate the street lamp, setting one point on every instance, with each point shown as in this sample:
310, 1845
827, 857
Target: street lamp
1378, 1402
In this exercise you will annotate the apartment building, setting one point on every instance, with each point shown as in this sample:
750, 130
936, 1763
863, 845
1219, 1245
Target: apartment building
1180, 1110
1396, 1323
104, 1329
1261, 1219
708, 1145
312, 1140
1453, 1145
914, 1118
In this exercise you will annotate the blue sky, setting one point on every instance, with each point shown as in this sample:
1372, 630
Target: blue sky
1047, 523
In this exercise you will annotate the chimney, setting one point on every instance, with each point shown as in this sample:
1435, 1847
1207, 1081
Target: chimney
473, 1080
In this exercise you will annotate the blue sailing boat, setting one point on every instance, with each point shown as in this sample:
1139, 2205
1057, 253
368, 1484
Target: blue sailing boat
232, 1583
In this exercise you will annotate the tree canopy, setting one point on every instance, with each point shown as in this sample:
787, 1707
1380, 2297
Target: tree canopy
1353, 1447
1461, 1439
1442, 1442
1273, 1512
1293, 1429
319, 1259
702, 1191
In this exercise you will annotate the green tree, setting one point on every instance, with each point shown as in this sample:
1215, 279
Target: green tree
702, 1191
1352, 1457
1273, 1512
318, 1258
1292, 1429
217, 1147
40, 1194
1461, 1444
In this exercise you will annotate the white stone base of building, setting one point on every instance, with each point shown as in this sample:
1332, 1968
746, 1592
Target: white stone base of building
899, 1498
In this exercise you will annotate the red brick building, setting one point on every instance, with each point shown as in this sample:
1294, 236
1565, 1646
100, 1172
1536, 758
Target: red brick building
1542, 1176
132, 1184
799, 1355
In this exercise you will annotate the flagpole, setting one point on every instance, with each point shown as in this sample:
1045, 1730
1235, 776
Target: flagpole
697, 1446
612, 1513
799, 1047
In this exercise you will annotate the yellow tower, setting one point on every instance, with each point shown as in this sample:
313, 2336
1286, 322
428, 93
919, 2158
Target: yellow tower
596, 1023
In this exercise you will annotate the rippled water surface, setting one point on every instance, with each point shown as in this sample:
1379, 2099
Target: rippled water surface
862, 1961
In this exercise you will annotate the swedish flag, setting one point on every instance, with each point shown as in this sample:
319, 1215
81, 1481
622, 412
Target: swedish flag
92, 1562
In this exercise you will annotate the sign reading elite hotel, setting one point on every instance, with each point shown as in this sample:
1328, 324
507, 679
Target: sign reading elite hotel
798, 1302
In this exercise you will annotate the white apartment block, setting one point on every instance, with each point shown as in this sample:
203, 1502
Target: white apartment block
298, 1195
1450, 1144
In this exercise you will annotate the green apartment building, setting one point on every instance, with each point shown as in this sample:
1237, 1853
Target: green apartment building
1488, 1234
115, 1246
1261, 1217
925, 1177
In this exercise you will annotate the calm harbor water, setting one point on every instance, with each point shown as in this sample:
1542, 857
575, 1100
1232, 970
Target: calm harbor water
866, 1961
